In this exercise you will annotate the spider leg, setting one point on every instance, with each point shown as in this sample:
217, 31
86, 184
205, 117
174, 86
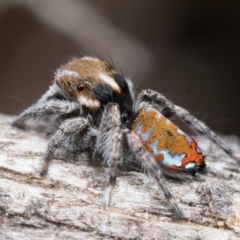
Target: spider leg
152, 167
168, 109
109, 145
49, 110
53, 93
76, 133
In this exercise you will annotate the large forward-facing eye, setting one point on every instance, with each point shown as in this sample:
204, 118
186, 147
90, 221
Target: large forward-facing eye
81, 86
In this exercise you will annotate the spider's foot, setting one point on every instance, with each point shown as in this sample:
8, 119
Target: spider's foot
44, 169
106, 198
19, 124
236, 157
177, 213
43, 173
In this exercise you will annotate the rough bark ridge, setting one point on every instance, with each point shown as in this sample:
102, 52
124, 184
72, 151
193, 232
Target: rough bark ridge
66, 204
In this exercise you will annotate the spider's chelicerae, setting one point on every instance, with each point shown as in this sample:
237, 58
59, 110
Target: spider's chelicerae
94, 110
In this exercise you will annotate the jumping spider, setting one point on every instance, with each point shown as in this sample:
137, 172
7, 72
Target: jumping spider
94, 110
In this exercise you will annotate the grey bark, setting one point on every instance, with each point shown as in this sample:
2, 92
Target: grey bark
67, 203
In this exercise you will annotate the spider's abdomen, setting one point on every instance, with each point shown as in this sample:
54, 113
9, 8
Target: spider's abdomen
169, 145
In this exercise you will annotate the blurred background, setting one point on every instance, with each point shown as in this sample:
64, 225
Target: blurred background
187, 50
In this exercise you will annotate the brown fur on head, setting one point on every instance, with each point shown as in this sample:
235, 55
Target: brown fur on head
93, 83
80, 78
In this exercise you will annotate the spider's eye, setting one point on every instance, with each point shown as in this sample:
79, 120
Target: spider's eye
80, 87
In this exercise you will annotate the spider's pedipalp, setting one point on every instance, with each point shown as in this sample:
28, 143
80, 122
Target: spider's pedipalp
151, 166
77, 135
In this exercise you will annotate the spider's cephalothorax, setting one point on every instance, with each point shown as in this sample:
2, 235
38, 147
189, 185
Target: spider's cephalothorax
94, 111
93, 83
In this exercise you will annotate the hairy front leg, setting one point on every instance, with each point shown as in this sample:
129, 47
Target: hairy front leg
53, 93
109, 146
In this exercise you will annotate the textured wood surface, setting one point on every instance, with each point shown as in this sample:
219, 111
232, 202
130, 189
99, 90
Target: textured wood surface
67, 203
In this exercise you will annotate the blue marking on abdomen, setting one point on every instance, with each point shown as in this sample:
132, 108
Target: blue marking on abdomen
145, 136
188, 139
198, 150
154, 146
190, 165
168, 122
168, 158
159, 115
172, 160
139, 129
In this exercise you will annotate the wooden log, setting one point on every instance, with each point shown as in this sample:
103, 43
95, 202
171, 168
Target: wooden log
67, 203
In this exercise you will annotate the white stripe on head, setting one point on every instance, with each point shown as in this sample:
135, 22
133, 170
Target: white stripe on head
110, 81
88, 102
69, 73
90, 58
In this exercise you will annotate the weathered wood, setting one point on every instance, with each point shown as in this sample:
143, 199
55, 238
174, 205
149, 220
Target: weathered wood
66, 204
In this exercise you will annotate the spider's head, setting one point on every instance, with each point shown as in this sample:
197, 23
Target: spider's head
93, 83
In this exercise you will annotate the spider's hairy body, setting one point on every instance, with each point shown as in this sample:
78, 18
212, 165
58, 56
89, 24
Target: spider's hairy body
94, 110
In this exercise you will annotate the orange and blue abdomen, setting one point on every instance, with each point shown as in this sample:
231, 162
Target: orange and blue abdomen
169, 145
